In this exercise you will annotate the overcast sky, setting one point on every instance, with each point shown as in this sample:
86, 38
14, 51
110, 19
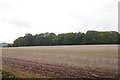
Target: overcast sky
18, 17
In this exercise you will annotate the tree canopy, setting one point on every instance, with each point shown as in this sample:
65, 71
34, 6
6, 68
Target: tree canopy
48, 39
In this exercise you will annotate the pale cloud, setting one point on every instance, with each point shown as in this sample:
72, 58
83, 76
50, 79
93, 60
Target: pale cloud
18, 17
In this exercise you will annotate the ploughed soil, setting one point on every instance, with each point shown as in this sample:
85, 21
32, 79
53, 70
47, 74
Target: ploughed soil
29, 69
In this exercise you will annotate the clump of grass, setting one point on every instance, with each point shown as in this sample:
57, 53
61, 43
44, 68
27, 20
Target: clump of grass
7, 75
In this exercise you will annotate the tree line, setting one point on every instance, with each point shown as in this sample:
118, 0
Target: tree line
49, 39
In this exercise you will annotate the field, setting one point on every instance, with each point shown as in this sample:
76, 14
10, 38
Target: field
82, 61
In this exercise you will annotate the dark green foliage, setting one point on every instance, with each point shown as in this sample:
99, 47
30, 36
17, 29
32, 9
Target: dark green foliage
8, 76
91, 37
47, 39
9, 45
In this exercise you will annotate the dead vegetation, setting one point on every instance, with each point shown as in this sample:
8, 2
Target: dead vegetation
63, 61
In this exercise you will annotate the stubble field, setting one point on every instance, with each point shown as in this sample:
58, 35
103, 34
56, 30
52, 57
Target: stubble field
82, 61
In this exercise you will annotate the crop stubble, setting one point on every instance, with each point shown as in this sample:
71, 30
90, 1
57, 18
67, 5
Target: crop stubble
63, 61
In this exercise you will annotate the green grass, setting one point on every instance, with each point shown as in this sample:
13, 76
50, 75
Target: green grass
7, 75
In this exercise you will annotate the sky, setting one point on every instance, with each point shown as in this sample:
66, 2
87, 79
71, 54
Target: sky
18, 17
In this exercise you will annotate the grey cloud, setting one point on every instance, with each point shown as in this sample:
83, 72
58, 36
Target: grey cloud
5, 6
25, 24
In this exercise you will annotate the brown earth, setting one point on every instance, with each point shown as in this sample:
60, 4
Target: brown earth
38, 70
24, 62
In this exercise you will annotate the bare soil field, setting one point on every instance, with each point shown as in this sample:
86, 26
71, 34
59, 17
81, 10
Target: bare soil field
83, 61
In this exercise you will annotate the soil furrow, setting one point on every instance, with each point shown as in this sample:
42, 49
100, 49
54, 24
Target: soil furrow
50, 70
